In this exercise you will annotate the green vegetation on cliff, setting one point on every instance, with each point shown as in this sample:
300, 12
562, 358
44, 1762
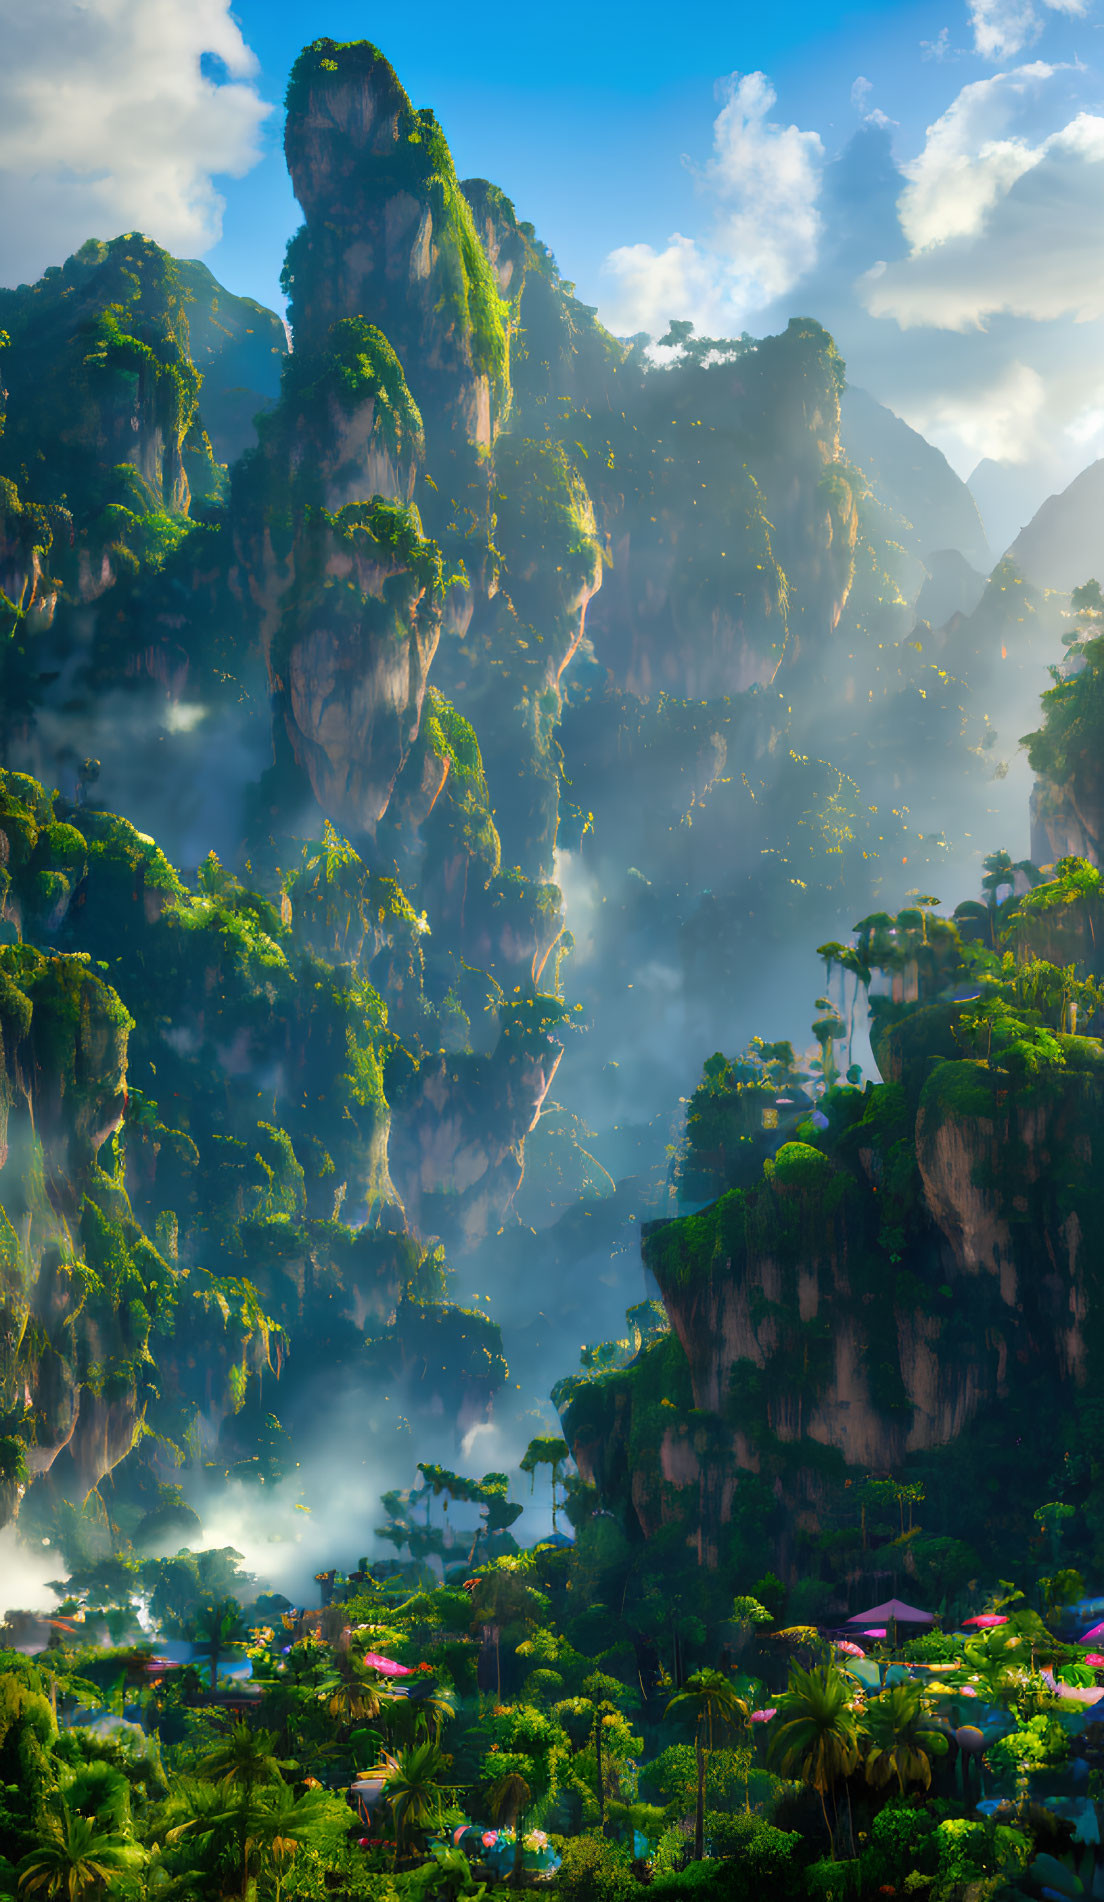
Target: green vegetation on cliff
413, 156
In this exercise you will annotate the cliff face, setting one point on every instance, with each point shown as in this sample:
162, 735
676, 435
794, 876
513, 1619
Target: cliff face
892, 1278
163, 1291
347, 589
466, 484
914, 479
490, 594
102, 391
1067, 810
388, 232
239, 349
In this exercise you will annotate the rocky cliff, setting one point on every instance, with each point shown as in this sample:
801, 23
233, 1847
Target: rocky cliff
246, 1204
915, 1265
490, 606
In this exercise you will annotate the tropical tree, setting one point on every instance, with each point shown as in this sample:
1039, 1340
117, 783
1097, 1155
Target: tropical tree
415, 1719
504, 1594
290, 1823
412, 1788
200, 1833
509, 1797
244, 1757
546, 1451
902, 1738
816, 1731
709, 1701
244, 1764
217, 1627
598, 1717
352, 1691
76, 1858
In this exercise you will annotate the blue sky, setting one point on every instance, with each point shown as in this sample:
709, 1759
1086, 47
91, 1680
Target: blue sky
926, 179
582, 113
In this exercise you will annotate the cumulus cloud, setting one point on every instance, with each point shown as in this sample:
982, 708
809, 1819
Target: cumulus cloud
998, 219
860, 98
763, 181
118, 115
1002, 28
971, 158
1001, 419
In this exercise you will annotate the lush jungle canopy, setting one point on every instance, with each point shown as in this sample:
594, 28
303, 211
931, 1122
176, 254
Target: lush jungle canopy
551, 1304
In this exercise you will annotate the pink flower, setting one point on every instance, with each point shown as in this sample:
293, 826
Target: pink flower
1094, 1658
763, 1716
386, 1666
968, 1690
490, 1837
850, 1650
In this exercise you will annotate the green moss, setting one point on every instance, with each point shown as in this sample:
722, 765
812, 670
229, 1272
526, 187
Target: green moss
463, 282
545, 519
1066, 749
116, 844
461, 817
395, 529
175, 383
453, 738
799, 1166
96, 346
955, 1091
357, 366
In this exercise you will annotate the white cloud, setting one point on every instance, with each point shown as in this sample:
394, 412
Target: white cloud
764, 181
108, 124
940, 48
1002, 28
966, 164
1087, 426
1001, 419
999, 218
861, 90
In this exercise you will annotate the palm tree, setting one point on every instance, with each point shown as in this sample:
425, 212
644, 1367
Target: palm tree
509, 1798
353, 1691
195, 1821
503, 1595
216, 1628
244, 1763
411, 1789
244, 1757
290, 1823
903, 1739
816, 1731
707, 1699
76, 1858
413, 1719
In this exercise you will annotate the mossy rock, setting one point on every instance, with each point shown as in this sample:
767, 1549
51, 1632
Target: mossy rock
800, 1166
956, 1090
417, 162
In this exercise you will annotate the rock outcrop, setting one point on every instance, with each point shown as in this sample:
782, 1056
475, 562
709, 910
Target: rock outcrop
882, 1287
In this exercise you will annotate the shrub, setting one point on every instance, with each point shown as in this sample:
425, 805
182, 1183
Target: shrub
764, 1859
595, 1871
901, 1840
759, 1861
